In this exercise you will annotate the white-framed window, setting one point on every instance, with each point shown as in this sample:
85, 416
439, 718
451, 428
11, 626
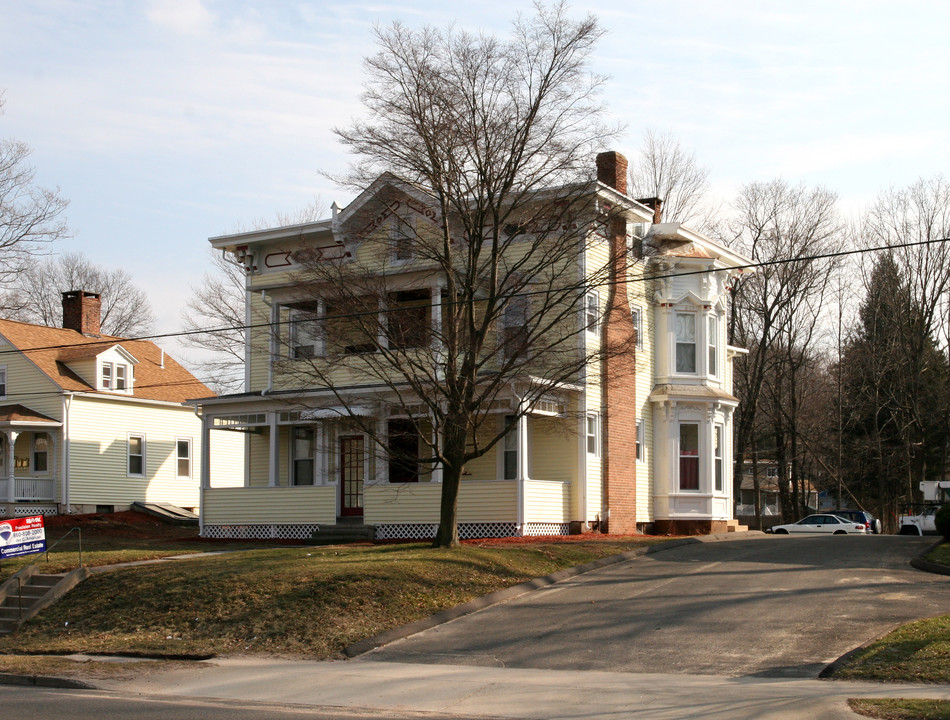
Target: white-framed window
401, 239
685, 332
136, 456
640, 439
515, 342
305, 331
712, 345
303, 455
510, 449
593, 434
636, 315
3, 380
592, 311
40, 453
114, 376
183, 457
689, 456
717, 456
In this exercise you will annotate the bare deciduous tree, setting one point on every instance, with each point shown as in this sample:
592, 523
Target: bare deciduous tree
775, 310
481, 130
214, 318
36, 294
665, 169
30, 216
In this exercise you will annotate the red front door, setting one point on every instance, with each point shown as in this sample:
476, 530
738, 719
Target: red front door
351, 476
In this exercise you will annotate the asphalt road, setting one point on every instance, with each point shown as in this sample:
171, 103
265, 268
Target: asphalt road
768, 607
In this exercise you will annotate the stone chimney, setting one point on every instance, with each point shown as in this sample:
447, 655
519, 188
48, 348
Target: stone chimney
612, 170
81, 312
656, 205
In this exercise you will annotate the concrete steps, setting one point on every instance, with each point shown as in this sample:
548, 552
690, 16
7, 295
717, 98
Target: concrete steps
341, 534
734, 526
29, 591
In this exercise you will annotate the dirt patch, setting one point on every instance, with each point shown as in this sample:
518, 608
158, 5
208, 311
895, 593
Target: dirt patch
127, 524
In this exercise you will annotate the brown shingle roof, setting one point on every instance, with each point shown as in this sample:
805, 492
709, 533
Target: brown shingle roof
21, 413
48, 348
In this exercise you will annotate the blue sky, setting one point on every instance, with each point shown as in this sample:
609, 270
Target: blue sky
165, 122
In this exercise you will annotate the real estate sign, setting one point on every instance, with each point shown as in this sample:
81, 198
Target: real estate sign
22, 536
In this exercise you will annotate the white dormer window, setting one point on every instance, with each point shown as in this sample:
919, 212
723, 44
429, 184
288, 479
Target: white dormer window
401, 239
115, 377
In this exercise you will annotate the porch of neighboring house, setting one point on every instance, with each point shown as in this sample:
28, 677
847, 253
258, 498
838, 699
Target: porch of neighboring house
29, 473
309, 470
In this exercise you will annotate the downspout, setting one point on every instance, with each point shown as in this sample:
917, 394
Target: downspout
67, 402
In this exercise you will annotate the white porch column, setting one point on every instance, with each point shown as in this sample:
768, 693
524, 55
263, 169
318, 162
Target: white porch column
382, 465
522, 474
274, 462
205, 451
11, 436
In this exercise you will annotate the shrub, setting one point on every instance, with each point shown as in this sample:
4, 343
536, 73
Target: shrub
942, 521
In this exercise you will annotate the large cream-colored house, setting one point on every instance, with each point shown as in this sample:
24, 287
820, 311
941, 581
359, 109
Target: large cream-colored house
635, 442
94, 423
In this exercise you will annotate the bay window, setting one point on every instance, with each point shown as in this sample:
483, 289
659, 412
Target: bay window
685, 330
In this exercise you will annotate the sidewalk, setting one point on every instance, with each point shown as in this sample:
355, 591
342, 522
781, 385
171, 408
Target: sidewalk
469, 691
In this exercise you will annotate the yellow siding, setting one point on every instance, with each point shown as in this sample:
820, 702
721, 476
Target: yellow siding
547, 501
98, 444
491, 501
640, 293
553, 444
252, 506
227, 458
259, 356
258, 459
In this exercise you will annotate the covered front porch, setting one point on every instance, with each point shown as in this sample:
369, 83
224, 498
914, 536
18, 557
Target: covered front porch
310, 468
30, 467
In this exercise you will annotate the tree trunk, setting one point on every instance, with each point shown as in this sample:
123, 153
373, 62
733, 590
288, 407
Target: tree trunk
453, 451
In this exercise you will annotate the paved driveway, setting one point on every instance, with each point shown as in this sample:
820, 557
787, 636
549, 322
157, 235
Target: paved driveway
765, 606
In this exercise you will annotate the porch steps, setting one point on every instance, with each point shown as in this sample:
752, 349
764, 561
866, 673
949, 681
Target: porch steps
342, 533
167, 512
734, 526
23, 595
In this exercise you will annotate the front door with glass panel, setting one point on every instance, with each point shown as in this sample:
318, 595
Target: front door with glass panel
351, 476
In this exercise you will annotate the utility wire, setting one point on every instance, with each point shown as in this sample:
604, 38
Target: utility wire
601, 284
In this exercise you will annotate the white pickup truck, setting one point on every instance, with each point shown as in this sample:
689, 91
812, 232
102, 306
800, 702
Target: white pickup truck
918, 520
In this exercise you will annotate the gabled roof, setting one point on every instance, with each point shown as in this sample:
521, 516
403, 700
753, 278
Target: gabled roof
20, 414
157, 375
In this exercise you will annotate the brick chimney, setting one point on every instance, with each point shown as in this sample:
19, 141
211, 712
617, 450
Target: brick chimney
81, 312
612, 170
656, 205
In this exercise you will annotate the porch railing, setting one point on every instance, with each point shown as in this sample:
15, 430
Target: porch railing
32, 488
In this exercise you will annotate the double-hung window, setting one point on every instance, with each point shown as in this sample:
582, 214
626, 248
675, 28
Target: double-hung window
3, 381
712, 344
401, 239
303, 450
305, 328
717, 456
107, 376
689, 456
636, 314
685, 330
593, 434
40, 452
516, 328
510, 451
136, 455
183, 457
592, 312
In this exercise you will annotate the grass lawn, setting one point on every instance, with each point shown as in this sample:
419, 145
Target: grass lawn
940, 554
902, 709
304, 602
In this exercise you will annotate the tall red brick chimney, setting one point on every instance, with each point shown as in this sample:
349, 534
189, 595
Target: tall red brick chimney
81, 312
618, 370
612, 170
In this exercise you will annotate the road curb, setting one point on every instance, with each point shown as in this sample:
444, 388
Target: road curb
921, 563
43, 681
500, 596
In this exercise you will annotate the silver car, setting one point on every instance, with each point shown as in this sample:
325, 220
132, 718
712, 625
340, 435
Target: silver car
829, 524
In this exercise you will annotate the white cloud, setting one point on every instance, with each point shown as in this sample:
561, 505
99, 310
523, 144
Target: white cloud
186, 17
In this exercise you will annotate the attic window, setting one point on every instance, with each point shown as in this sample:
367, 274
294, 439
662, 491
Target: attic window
115, 377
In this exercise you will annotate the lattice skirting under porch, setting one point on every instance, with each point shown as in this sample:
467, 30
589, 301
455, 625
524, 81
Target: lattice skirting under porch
260, 532
27, 510
407, 531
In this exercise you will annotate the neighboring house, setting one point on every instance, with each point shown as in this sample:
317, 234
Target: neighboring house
769, 496
93, 423
641, 443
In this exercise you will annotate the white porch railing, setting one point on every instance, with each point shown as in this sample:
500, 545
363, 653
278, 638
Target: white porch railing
32, 488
